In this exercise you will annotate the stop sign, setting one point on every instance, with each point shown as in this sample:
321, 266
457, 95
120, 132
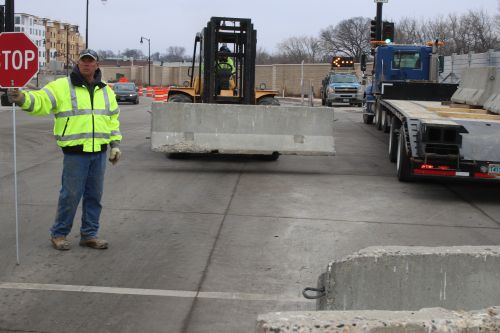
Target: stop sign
18, 59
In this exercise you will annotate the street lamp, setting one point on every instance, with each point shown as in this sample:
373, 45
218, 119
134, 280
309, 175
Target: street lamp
87, 24
149, 58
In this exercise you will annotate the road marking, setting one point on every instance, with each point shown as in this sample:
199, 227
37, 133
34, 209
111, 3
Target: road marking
151, 292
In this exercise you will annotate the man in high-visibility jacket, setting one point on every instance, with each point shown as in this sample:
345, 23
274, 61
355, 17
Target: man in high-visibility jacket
86, 122
225, 69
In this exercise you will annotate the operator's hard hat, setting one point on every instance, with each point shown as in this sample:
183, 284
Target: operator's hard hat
224, 48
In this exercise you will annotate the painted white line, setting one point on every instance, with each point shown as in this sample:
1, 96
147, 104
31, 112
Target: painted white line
150, 292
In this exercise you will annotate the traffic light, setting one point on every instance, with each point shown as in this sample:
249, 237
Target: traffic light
388, 32
373, 30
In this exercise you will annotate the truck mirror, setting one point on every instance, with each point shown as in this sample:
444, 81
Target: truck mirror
363, 62
441, 64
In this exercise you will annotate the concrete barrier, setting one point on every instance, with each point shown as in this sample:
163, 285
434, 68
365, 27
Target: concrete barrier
476, 86
434, 320
492, 104
412, 278
241, 129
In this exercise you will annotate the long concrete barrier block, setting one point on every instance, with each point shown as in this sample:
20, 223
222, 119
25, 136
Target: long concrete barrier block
431, 320
251, 129
411, 278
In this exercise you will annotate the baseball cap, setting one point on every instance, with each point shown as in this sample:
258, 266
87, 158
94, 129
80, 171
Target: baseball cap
89, 53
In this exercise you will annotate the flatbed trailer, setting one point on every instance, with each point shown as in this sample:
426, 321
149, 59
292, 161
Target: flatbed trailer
441, 139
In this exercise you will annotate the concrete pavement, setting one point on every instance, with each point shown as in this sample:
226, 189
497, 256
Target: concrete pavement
206, 244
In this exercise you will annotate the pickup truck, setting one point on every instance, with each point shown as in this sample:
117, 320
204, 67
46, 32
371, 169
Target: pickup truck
340, 87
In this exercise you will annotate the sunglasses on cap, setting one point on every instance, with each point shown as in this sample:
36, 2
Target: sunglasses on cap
89, 53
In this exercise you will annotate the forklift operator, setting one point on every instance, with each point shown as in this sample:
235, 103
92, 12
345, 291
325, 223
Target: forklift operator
225, 68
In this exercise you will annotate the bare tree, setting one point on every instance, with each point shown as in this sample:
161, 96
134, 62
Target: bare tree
262, 57
408, 31
296, 49
175, 53
105, 54
132, 53
482, 30
350, 37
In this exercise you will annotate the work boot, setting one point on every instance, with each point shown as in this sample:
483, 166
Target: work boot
60, 243
94, 243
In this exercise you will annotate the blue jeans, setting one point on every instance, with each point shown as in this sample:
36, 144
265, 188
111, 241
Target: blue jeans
83, 175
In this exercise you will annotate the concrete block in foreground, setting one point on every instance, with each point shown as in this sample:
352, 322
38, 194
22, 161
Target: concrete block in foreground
241, 129
412, 278
435, 320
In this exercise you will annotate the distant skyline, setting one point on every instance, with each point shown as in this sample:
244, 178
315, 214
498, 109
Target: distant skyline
119, 24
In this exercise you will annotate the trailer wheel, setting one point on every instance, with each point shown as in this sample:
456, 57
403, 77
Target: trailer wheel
386, 121
393, 139
180, 98
367, 118
403, 159
268, 101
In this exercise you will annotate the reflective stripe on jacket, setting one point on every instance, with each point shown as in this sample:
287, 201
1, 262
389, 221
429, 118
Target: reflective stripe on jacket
78, 120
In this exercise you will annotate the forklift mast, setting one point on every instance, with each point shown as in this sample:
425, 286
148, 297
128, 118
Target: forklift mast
241, 39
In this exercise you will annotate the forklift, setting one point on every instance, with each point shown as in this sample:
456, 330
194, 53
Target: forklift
213, 83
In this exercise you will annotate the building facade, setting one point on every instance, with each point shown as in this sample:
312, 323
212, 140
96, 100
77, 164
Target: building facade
59, 43
34, 28
63, 42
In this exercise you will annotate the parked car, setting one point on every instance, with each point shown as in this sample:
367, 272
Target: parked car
126, 92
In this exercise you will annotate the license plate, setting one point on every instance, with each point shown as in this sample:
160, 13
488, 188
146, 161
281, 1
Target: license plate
494, 170
345, 100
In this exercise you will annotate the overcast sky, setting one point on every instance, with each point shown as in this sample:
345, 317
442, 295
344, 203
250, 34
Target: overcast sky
118, 24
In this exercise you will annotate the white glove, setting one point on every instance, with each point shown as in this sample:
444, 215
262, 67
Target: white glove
114, 155
15, 96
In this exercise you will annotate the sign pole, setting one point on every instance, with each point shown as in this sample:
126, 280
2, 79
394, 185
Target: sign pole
15, 177
19, 64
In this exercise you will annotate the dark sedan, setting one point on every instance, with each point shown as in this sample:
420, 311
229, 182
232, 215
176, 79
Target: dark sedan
126, 92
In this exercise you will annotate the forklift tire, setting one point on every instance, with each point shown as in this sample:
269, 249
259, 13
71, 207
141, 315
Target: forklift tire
180, 98
367, 118
268, 101
393, 139
403, 164
273, 157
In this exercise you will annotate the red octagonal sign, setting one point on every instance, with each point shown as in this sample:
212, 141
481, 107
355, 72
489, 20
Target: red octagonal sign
18, 59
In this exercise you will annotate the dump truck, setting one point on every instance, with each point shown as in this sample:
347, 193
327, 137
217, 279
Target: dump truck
222, 112
436, 129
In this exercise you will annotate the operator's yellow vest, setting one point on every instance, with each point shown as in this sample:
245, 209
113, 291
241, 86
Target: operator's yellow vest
77, 120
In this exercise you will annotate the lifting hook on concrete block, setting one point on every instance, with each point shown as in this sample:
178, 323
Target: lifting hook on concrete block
320, 292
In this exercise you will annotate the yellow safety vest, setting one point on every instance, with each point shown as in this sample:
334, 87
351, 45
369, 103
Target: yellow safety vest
77, 120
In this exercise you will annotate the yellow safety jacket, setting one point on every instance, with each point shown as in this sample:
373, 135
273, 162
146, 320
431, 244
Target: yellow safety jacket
80, 122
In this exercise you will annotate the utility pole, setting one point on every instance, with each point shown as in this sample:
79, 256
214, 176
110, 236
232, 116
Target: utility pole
379, 21
9, 15
67, 49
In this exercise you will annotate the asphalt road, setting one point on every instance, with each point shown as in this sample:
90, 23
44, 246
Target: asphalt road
206, 244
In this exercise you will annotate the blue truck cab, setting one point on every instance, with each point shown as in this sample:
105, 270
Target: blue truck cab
401, 63
395, 64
